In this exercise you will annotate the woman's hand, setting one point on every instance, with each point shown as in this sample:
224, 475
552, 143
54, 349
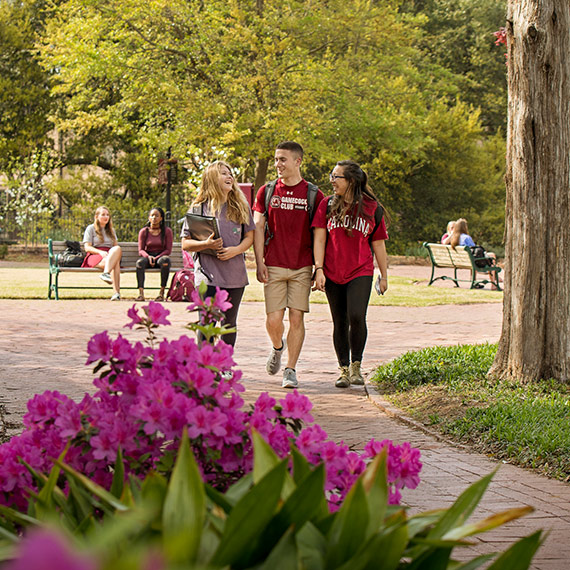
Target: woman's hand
383, 285
212, 243
320, 279
226, 253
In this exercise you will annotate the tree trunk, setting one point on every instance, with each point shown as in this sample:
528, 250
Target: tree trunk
535, 339
261, 167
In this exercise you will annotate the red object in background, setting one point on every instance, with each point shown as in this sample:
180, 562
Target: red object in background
247, 189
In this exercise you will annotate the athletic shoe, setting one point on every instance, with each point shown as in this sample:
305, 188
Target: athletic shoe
355, 374
116, 297
343, 381
289, 378
106, 277
274, 361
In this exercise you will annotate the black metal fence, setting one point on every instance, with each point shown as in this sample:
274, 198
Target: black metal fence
36, 229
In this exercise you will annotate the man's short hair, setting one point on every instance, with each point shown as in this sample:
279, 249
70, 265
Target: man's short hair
292, 146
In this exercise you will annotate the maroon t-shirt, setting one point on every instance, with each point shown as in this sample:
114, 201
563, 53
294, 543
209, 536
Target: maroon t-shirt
292, 243
152, 245
348, 257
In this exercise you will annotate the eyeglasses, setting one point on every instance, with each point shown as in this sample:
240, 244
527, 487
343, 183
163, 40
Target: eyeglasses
334, 177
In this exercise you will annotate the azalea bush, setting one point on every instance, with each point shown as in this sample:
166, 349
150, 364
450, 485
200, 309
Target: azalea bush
148, 392
269, 519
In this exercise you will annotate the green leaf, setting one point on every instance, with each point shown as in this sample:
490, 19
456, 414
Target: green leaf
45, 504
306, 502
375, 482
93, 488
249, 518
349, 526
489, 523
520, 554
184, 508
387, 546
239, 489
312, 547
264, 460
460, 511
301, 467
17, 517
118, 475
476, 562
283, 556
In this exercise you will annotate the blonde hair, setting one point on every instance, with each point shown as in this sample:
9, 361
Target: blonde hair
460, 228
109, 230
213, 194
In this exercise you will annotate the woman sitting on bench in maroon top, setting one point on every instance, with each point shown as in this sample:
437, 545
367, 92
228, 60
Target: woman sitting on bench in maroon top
155, 246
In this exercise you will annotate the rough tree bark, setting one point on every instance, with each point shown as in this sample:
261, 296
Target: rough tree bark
535, 339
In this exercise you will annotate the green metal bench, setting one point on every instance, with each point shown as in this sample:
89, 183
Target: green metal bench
129, 258
460, 257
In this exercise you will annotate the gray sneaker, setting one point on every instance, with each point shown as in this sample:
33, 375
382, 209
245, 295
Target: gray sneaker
107, 278
274, 361
289, 378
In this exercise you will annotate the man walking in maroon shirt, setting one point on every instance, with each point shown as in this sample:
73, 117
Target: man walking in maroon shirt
284, 257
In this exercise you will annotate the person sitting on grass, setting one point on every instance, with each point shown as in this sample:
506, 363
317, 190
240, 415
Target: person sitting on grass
103, 251
155, 246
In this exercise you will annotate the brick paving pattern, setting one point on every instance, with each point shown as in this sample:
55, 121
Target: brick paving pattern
44, 347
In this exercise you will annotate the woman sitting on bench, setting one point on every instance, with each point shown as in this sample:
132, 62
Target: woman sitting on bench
460, 236
103, 252
155, 246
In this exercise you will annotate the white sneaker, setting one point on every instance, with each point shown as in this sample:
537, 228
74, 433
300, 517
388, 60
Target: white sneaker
116, 297
274, 361
289, 378
106, 277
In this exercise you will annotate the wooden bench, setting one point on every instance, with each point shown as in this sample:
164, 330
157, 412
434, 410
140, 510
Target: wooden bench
460, 257
129, 258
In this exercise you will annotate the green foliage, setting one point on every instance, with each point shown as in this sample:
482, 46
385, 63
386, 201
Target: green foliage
458, 35
450, 365
526, 424
275, 521
25, 101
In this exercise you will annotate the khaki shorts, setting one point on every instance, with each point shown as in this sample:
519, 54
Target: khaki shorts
287, 288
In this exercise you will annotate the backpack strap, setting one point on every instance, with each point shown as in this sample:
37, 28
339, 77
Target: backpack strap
269, 189
312, 191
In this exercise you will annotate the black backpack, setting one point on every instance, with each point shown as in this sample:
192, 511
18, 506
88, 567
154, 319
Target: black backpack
72, 256
312, 191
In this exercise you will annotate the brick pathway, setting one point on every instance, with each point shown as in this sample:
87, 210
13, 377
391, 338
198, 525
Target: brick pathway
44, 347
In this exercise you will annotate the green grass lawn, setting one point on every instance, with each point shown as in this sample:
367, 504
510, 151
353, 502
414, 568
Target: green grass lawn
32, 283
527, 424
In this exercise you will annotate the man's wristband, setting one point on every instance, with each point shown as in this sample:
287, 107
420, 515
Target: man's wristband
317, 268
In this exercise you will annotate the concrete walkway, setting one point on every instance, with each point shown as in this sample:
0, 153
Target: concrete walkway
44, 347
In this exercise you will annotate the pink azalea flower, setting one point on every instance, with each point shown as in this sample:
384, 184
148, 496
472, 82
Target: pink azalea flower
99, 348
157, 313
297, 406
133, 314
44, 549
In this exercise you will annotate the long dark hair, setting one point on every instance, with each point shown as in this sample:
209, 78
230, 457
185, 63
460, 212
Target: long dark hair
162, 224
351, 203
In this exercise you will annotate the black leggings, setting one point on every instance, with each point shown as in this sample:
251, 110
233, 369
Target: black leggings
143, 263
348, 304
230, 316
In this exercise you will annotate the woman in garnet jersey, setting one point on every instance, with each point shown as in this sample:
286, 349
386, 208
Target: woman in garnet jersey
349, 228
155, 247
